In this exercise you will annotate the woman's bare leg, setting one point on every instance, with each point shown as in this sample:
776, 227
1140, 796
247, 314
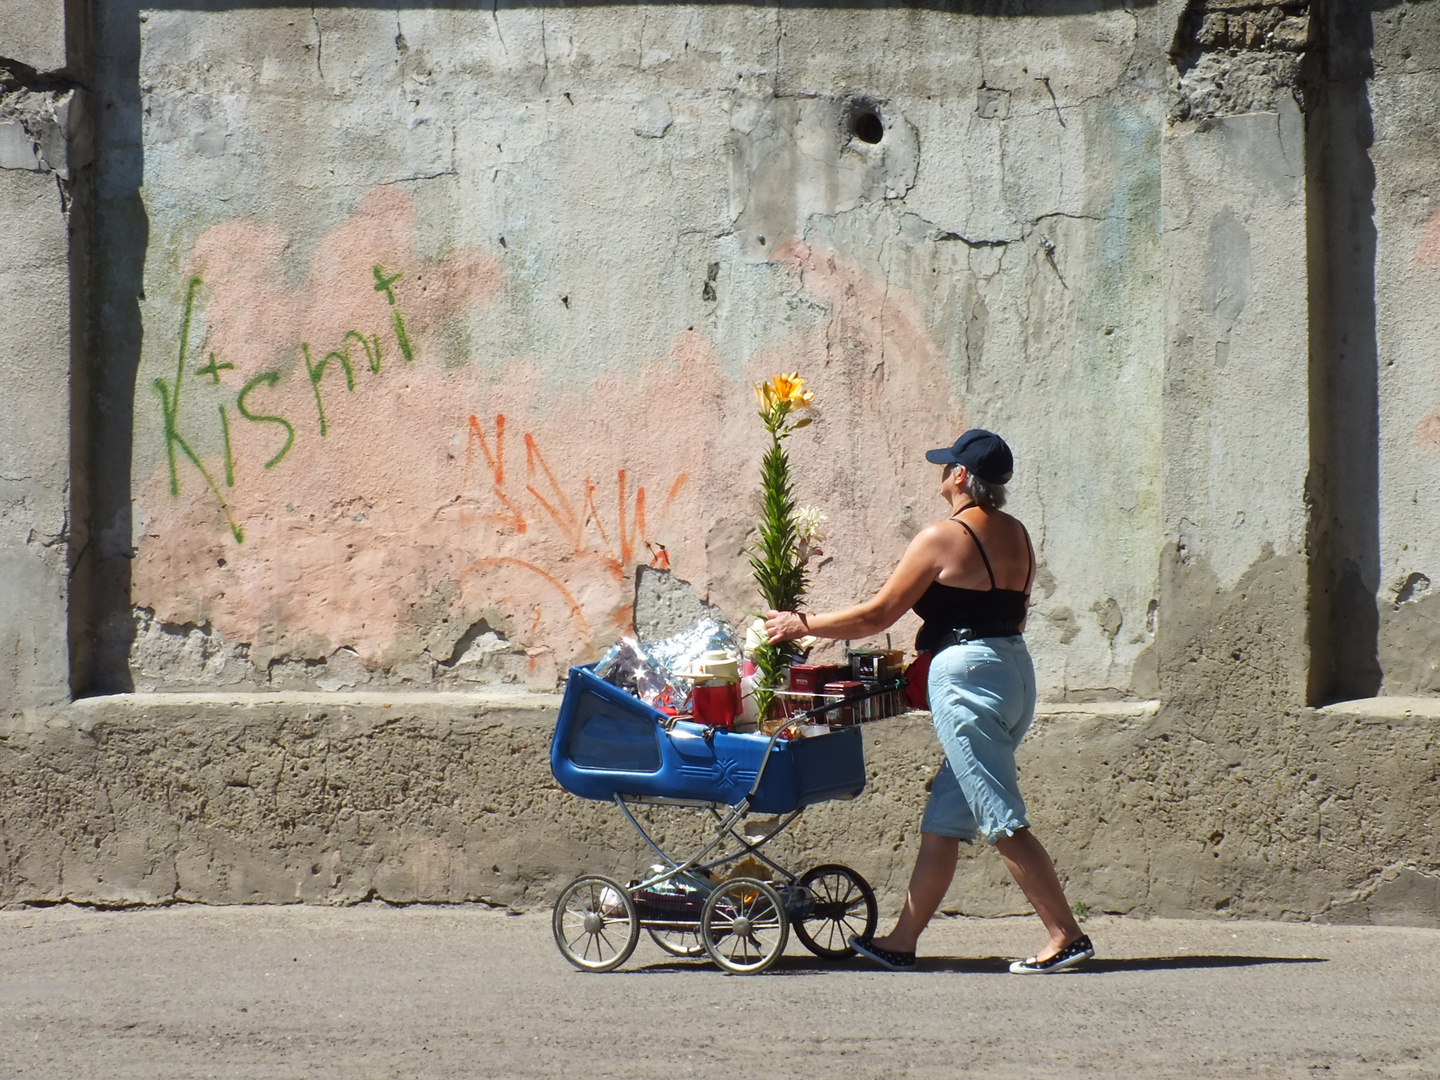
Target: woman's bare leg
1031, 867
929, 881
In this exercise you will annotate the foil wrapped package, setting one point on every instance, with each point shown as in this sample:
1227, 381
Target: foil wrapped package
655, 671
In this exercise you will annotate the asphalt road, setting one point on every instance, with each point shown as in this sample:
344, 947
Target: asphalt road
454, 992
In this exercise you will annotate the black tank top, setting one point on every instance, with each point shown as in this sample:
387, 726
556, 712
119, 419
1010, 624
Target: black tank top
988, 612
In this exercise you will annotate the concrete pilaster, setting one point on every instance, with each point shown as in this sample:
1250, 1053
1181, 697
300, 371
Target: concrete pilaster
1235, 415
36, 115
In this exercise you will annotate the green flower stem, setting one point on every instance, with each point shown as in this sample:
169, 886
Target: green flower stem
775, 559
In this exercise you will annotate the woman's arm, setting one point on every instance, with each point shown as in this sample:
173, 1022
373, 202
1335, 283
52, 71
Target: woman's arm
918, 567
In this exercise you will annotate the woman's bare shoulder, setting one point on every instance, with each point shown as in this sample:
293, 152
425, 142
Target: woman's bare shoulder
937, 533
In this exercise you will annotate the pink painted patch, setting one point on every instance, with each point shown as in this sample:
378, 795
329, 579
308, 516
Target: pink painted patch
1427, 257
435, 498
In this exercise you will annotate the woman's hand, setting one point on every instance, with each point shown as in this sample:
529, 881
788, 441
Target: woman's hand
785, 626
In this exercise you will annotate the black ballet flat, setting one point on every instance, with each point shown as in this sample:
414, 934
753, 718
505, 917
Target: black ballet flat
1077, 952
895, 961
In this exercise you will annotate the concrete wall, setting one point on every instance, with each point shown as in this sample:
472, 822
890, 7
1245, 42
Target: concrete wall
36, 114
601, 241
1407, 317
410, 341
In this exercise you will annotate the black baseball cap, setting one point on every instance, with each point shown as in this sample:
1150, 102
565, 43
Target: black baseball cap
982, 452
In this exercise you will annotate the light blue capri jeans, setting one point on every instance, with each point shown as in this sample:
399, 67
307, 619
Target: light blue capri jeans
982, 697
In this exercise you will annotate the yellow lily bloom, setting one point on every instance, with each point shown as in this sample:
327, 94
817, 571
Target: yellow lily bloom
765, 395
787, 391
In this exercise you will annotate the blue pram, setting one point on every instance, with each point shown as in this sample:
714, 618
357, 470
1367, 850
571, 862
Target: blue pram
612, 747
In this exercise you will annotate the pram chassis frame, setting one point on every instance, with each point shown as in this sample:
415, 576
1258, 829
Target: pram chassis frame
726, 828
694, 870
738, 811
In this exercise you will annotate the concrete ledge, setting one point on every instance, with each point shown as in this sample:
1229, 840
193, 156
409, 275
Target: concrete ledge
310, 797
511, 699
1378, 709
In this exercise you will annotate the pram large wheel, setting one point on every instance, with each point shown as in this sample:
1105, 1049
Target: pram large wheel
844, 905
744, 926
682, 943
595, 923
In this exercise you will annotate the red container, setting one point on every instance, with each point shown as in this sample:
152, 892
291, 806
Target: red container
811, 678
844, 688
716, 705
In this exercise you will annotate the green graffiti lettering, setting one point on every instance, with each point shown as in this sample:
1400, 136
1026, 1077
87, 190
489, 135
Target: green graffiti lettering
344, 358
170, 410
317, 371
229, 455
269, 378
404, 341
384, 284
372, 351
171, 403
213, 370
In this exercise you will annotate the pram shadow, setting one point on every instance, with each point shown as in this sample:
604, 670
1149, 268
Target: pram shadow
988, 965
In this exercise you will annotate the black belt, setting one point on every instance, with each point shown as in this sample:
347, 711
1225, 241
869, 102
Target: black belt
974, 633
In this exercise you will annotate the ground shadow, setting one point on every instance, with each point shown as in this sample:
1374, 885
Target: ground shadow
998, 964
985, 965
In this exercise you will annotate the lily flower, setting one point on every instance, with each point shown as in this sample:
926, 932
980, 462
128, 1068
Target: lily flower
765, 395
791, 390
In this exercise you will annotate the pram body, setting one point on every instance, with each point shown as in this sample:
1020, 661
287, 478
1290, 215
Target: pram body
608, 743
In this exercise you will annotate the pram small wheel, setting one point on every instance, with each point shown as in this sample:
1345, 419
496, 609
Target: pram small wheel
844, 904
744, 926
683, 943
595, 923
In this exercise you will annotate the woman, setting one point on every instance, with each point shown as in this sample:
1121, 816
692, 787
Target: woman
969, 578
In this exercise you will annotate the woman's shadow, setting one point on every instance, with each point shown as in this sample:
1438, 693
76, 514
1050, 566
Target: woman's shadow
989, 965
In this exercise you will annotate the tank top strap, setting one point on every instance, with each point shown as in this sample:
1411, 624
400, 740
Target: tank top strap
979, 547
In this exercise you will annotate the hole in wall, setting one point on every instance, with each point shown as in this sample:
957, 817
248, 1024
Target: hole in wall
865, 122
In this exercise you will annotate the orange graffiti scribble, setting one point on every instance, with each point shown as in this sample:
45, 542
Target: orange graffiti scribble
627, 540
617, 553
497, 467
623, 619
576, 613
568, 525
675, 489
